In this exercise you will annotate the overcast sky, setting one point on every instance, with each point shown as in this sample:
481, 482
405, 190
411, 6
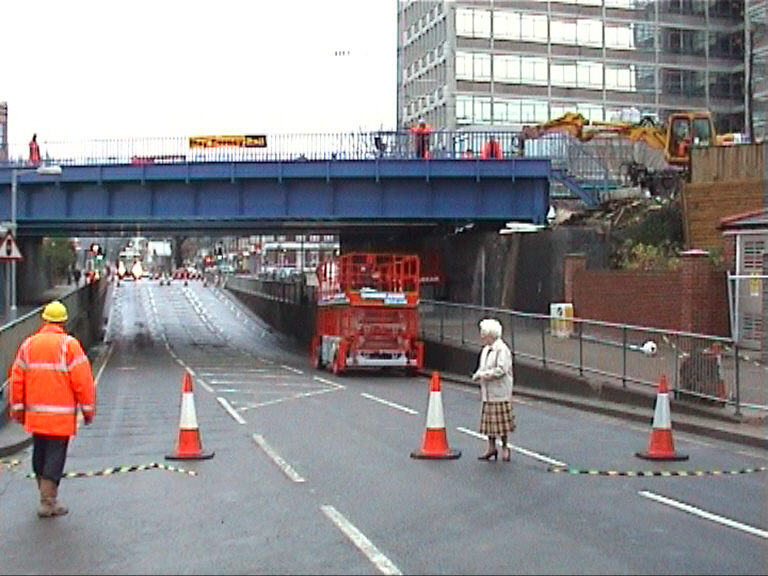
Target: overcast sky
82, 69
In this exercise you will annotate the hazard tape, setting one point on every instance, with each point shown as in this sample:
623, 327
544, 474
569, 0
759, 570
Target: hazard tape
123, 470
656, 473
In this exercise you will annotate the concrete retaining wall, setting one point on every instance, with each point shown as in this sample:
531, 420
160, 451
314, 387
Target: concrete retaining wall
86, 309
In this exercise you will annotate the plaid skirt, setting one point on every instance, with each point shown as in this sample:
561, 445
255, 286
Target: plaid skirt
497, 418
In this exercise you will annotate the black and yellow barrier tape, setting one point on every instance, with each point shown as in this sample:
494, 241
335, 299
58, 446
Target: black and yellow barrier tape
655, 473
123, 470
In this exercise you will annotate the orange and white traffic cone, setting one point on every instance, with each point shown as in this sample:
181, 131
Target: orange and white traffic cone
435, 443
661, 446
188, 445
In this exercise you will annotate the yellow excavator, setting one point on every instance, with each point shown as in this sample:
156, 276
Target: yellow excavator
681, 132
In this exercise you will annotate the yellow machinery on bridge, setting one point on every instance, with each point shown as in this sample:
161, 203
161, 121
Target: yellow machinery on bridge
681, 132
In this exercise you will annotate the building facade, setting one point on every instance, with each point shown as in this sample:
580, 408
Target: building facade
3, 131
756, 34
475, 63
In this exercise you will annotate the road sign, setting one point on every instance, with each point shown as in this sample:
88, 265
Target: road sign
9, 250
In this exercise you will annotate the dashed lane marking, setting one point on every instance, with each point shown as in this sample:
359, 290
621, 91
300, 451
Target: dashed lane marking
277, 459
361, 542
388, 403
704, 514
518, 449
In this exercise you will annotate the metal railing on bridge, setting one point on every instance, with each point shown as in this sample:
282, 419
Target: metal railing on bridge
569, 156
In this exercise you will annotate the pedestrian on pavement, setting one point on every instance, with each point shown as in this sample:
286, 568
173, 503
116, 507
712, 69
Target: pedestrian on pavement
494, 372
34, 151
49, 379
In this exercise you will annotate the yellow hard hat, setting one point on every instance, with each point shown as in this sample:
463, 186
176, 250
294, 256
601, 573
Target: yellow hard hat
55, 312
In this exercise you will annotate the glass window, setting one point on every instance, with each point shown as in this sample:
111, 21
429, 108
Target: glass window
533, 70
589, 32
481, 67
590, 111
619, 37
563, 32
507, 68
464, 21
463, 65
482, 110
506, 25
482, 24
464, 109
590, 75
620, 78
534, 28
563, 74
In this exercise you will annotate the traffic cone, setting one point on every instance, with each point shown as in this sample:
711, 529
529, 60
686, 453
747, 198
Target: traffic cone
188, 446
435, 443
661, 446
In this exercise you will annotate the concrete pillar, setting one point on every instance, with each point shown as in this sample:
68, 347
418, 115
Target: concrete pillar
695, 274
573, 263
32, 274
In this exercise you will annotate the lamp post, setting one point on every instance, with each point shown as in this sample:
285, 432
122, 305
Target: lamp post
53, 170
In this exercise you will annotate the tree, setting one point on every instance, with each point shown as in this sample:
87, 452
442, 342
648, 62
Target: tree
59, 254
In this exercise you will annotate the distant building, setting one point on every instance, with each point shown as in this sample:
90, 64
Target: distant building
3, 131
286, 255
475, 63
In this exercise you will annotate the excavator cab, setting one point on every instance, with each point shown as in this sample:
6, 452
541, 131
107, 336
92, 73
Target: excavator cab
687, 130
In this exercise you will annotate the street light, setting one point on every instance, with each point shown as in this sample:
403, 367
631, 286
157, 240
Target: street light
52, 170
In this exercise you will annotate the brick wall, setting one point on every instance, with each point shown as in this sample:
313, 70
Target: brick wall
627, 297
692, 299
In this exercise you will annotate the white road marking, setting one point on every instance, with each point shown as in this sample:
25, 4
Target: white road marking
704, 514
324, 381
523, 451
232, 411
285, 399
277, 459
291, 369
388, 403
384, 564
205, 385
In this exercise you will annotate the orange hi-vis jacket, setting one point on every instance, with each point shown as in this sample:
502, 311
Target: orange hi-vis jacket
50, 377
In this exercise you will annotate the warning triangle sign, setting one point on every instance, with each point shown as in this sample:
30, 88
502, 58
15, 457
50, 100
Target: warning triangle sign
9, 250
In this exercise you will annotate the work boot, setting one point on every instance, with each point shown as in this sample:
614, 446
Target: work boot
49, 506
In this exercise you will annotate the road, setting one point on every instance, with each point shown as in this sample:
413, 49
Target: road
312, 473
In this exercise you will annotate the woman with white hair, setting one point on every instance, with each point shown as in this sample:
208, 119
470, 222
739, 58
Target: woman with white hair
494, 373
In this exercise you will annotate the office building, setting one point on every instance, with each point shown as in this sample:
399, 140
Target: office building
478, 63
756, 33
3, 131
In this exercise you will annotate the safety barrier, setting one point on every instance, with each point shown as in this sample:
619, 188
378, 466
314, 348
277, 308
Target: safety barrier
707, 370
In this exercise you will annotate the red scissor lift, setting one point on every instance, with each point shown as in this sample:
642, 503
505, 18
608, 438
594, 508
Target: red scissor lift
368, 313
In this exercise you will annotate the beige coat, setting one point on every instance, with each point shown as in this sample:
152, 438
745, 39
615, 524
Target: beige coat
495, 372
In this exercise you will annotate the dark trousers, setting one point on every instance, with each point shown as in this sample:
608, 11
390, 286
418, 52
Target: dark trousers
49, 453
